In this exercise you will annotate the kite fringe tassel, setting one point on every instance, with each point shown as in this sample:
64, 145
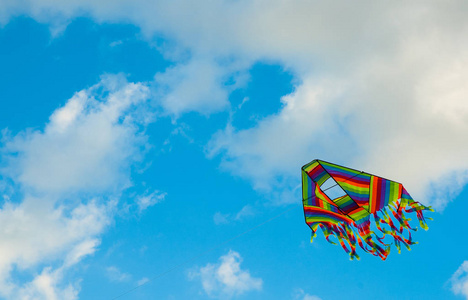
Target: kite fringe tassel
351, 235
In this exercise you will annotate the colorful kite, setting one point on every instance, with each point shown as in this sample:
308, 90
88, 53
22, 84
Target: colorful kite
365, 199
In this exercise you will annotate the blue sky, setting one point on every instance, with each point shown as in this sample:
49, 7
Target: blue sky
137, 136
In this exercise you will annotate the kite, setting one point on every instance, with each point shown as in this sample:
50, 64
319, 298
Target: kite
365, 200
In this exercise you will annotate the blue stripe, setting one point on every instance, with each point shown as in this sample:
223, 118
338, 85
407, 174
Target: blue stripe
387, 191
311, 186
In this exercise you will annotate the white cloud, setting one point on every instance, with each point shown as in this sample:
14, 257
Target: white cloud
142, 281
381, 86
279, 143
245, 212
45, 286
381, 120
85, 146
69, 176
226, 279
145, 201
220, 218
265, 28
81, 250
399, 113
114, 274
195, 86
34, 231
459, 280
311, 297
299, 294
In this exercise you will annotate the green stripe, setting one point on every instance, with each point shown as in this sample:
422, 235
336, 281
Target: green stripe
322, 218
305, 186
339, 167
393, 194
359, 215
322, 179
353, 188
327, 205
343, 201
371, 192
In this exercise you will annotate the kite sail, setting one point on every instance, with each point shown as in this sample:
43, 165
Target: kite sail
365, 200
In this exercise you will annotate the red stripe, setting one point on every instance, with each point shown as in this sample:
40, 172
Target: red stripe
318, 190
374, 194
377, 193
341, 216
352, 182
348, 179
318, 169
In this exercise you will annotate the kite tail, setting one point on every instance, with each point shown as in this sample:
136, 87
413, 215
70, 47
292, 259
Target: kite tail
368, 236
327, 231
345, 233
349, 239
396, 233
342, 232
419, 208
414, 206
359, 232
398, 211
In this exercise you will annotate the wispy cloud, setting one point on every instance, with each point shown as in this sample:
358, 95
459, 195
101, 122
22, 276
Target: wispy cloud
245, 212
142, 281
148, 200
300, 294
114, 274
226, 279
459, 280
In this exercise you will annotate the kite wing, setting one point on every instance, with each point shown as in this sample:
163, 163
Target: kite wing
367, 199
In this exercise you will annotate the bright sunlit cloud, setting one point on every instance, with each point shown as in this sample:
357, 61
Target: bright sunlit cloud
368, 85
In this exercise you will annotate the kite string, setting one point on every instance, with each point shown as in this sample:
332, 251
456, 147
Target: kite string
202, 254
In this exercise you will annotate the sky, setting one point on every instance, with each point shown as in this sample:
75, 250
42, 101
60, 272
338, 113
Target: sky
152, 149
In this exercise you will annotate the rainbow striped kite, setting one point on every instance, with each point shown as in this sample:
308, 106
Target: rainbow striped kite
351, 202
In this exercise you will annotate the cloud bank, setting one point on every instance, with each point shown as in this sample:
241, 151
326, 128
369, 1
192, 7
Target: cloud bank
380, 86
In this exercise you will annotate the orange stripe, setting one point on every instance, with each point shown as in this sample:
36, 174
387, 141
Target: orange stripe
363, 185
348, 180
359, 209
